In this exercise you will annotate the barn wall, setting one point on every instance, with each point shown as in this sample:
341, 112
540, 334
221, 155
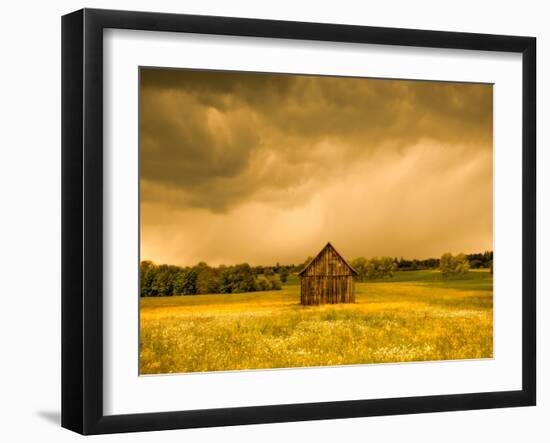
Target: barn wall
317, 290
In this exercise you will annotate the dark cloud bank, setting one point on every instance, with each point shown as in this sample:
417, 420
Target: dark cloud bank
267, 167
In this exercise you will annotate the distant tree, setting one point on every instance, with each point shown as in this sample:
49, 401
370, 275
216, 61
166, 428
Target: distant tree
432, 263
185, 282
147, 270
375, 267
208, 279
479, 260
476, 264
462, 264
275, 282
163, 282
454, 265
380, 267
283, 274
258, 270
238, 278
404, 264
387, 267
225, 286
446, 264
360, 265
262, 283
243, 278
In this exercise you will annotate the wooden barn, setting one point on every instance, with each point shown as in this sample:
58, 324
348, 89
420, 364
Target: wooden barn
328, 278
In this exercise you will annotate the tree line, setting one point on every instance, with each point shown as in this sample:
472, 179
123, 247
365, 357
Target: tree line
477, 261
164, 280
449, 265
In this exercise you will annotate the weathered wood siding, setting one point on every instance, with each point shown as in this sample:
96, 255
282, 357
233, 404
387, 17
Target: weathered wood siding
327, 279
318, 290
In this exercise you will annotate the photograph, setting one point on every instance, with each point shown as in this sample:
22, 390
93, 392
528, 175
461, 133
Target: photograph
299, 220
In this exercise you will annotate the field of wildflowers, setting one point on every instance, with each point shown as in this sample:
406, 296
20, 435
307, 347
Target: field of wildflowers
415, 316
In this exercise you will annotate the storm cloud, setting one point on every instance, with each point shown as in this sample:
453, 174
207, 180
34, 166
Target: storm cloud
268, 167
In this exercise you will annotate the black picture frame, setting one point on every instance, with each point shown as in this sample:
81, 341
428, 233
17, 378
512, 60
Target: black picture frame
82, 220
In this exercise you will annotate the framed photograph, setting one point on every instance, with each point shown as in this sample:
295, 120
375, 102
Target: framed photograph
269, 221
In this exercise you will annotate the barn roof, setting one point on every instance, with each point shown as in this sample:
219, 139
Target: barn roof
327, 246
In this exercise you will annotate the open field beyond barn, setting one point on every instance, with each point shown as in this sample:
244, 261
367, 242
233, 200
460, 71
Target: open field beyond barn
414, 316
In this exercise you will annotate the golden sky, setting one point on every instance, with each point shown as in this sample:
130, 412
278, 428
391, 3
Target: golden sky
264, 168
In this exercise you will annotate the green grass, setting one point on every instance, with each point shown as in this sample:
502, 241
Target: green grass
414, 316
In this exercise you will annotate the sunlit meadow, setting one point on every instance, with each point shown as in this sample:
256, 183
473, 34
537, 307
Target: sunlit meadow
416, 316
